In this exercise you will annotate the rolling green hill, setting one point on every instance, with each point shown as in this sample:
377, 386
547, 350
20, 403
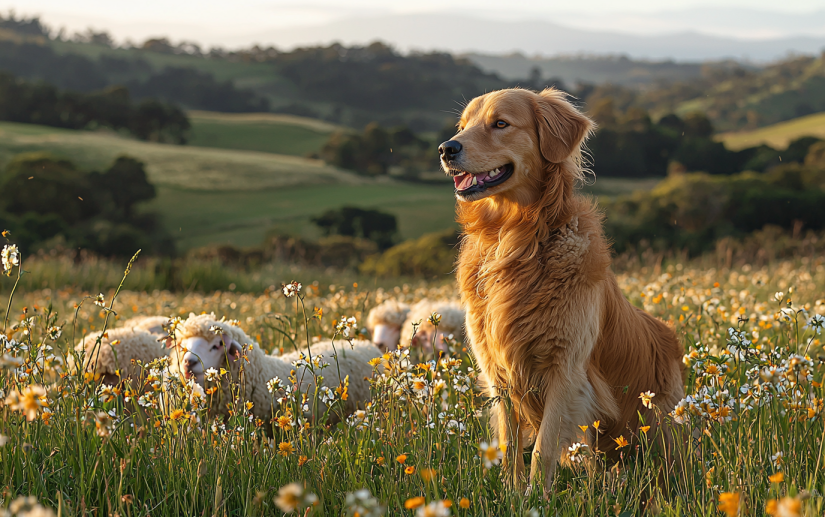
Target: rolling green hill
188, 167
777, 136
265, 132
224, 196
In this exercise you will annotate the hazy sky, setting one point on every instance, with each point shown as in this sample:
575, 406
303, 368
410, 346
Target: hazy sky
226, 22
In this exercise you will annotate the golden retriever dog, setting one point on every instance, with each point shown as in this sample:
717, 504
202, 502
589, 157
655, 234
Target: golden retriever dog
556, 341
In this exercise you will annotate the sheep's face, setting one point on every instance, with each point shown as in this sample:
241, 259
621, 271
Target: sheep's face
386, 336
201, 354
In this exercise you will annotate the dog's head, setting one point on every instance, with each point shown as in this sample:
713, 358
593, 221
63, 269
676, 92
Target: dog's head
506, 140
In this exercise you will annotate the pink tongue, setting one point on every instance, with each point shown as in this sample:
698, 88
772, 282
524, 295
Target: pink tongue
463, 182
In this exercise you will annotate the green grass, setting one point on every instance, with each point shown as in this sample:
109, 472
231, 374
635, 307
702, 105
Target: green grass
190, 167
198, 218
96, 454
265, 132
778, 135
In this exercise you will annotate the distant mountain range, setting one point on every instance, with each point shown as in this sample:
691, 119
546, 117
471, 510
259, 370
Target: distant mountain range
463, 33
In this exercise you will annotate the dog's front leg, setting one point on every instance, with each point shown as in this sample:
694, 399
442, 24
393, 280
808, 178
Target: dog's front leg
569, 402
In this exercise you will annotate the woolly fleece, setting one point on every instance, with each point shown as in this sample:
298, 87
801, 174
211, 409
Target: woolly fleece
259, 368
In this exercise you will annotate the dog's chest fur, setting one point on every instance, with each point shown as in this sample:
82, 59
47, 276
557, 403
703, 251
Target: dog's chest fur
526, 306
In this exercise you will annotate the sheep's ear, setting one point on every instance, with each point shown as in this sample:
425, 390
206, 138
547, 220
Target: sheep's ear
561, 127
233, 348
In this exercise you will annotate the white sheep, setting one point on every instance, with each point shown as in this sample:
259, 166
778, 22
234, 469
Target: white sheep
113, 358
206, 343
385, 322
452, 323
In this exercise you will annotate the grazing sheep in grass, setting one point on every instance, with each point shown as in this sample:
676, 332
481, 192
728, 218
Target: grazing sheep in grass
385, 323
452, 323
151, 324
206, 345
116, 352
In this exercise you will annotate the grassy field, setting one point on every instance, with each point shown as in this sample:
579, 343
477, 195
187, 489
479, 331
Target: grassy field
423, 447
208, 195
242, 218
264, 132
197, 168
777, 136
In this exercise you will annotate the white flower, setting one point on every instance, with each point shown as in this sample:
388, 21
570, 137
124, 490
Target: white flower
434, 509
291, 289
647, 399
779, 296
11, 258
490, 453
816, 322
777, 459
100, 300
275, 384
211, 374
54, 332
577, 451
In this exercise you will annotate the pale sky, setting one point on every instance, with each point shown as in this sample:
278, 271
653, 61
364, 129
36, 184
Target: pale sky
226, 23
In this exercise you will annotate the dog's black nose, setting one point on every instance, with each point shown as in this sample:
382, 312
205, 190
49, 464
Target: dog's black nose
449, 149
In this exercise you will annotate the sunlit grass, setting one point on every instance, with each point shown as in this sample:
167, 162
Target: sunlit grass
753, 428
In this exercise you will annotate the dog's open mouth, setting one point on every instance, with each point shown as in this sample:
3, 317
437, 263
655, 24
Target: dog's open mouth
469, 183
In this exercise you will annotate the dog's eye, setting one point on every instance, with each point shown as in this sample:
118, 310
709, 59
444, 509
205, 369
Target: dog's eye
501, 124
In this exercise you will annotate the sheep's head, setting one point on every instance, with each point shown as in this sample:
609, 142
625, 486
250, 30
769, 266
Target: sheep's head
386, 336
204, 352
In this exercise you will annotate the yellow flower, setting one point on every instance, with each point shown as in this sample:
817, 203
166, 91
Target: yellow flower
427, 474
28, 402
621, 442
729, 503
596, 424
413, 502
285, 422
401, 458
302, 460
374, 361
176, 414
464, 503
583, 428
289, 497
645, 428
409, 470
777, 478
285, 449
380, 460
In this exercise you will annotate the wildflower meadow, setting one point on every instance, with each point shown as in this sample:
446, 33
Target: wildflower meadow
751, 425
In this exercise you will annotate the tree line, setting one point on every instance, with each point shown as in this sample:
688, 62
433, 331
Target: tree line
41, 103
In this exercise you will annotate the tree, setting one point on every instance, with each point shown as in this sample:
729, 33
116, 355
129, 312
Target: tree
126, 184
374, 225
42, 184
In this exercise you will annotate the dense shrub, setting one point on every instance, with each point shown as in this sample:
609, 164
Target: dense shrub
431, 255
377, 151
349, 221
692, 211
47, 200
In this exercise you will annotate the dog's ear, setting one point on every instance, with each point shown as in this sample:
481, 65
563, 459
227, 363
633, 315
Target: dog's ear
561, 127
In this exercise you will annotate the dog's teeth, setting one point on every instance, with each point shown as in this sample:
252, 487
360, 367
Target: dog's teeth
493, 173
475, 181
